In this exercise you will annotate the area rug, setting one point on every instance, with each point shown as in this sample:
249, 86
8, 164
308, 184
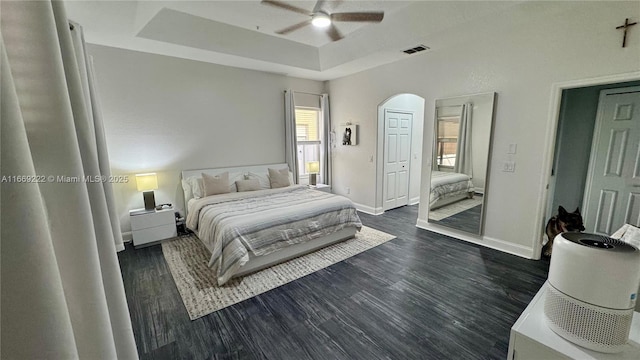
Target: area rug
455, 208
187, 259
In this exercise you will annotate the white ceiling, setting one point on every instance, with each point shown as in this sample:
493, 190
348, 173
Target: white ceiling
242, 33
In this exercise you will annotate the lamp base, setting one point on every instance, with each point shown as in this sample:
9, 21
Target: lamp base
313, 179
149, 200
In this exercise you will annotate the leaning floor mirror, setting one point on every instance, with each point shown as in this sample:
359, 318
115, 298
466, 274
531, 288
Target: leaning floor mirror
462, 142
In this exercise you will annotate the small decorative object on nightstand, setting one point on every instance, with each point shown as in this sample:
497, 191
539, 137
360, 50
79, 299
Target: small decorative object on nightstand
148, 226
321, 187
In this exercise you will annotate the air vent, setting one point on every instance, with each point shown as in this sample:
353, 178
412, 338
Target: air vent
416, 49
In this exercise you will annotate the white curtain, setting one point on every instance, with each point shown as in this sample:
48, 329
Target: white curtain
325, 149
95, 130
291, 147
62, 292
464, 159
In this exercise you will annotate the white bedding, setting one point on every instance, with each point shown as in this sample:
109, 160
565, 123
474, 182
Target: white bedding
448, 184
263, 221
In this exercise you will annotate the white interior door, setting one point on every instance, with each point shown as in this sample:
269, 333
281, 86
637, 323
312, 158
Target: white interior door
397, 147
612, 195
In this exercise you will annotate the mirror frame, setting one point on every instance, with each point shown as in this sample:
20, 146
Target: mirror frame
493, 102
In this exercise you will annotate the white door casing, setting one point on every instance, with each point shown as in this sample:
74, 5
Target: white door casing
397, 159
612, 192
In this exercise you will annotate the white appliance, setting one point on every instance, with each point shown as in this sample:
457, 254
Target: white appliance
593, 289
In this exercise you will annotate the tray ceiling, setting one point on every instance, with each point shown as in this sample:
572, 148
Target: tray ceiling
242, 33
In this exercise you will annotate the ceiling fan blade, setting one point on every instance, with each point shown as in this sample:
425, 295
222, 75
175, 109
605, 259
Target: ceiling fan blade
318, 6
286, 6
293, 27
333, 33
358, 16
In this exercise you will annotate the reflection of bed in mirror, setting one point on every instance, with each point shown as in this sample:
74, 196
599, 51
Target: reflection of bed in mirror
449, 187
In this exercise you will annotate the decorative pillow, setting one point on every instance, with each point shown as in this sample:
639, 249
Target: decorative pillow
214, 185
248, 185
197, 186
262, 178
279, 178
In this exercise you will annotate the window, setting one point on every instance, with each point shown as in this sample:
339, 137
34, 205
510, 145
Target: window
447, 141
308, 132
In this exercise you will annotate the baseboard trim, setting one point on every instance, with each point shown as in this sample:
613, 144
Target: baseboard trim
414, 201
486, 241
368, 209
127, 236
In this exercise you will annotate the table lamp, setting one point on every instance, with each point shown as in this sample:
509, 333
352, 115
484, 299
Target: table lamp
147, 183
313, 167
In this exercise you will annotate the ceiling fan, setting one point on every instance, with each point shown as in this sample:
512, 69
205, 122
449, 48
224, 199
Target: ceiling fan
323, 19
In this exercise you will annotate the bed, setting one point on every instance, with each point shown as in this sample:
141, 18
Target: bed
246, 231
449, 187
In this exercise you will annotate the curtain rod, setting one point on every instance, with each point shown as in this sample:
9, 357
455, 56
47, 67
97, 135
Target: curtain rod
302, 92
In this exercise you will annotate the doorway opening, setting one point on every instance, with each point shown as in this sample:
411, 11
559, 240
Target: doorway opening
571, 151
399, 151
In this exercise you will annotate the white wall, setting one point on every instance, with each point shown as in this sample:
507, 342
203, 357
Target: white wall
518, 53
165, 115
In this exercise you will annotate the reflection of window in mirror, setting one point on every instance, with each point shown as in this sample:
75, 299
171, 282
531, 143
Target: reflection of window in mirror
447, 141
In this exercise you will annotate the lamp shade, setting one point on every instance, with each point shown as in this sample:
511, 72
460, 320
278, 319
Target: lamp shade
146, 182
313, 167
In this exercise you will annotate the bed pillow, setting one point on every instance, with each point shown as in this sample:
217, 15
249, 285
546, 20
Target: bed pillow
214, 185
197, 186
262, 178
248, 185
279, 178
233, 177
186, 188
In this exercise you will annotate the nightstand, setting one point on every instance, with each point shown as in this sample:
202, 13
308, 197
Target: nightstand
321, 187
148, 226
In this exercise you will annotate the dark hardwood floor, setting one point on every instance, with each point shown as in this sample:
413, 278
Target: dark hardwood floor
419, 296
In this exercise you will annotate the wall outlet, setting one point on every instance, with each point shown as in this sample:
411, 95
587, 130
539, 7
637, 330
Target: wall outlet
513, 148
509, 166
348, 190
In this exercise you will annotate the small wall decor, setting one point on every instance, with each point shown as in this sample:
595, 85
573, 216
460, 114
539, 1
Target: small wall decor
625, 27
348, 134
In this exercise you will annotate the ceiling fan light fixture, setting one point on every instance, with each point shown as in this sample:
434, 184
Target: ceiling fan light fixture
321, 20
